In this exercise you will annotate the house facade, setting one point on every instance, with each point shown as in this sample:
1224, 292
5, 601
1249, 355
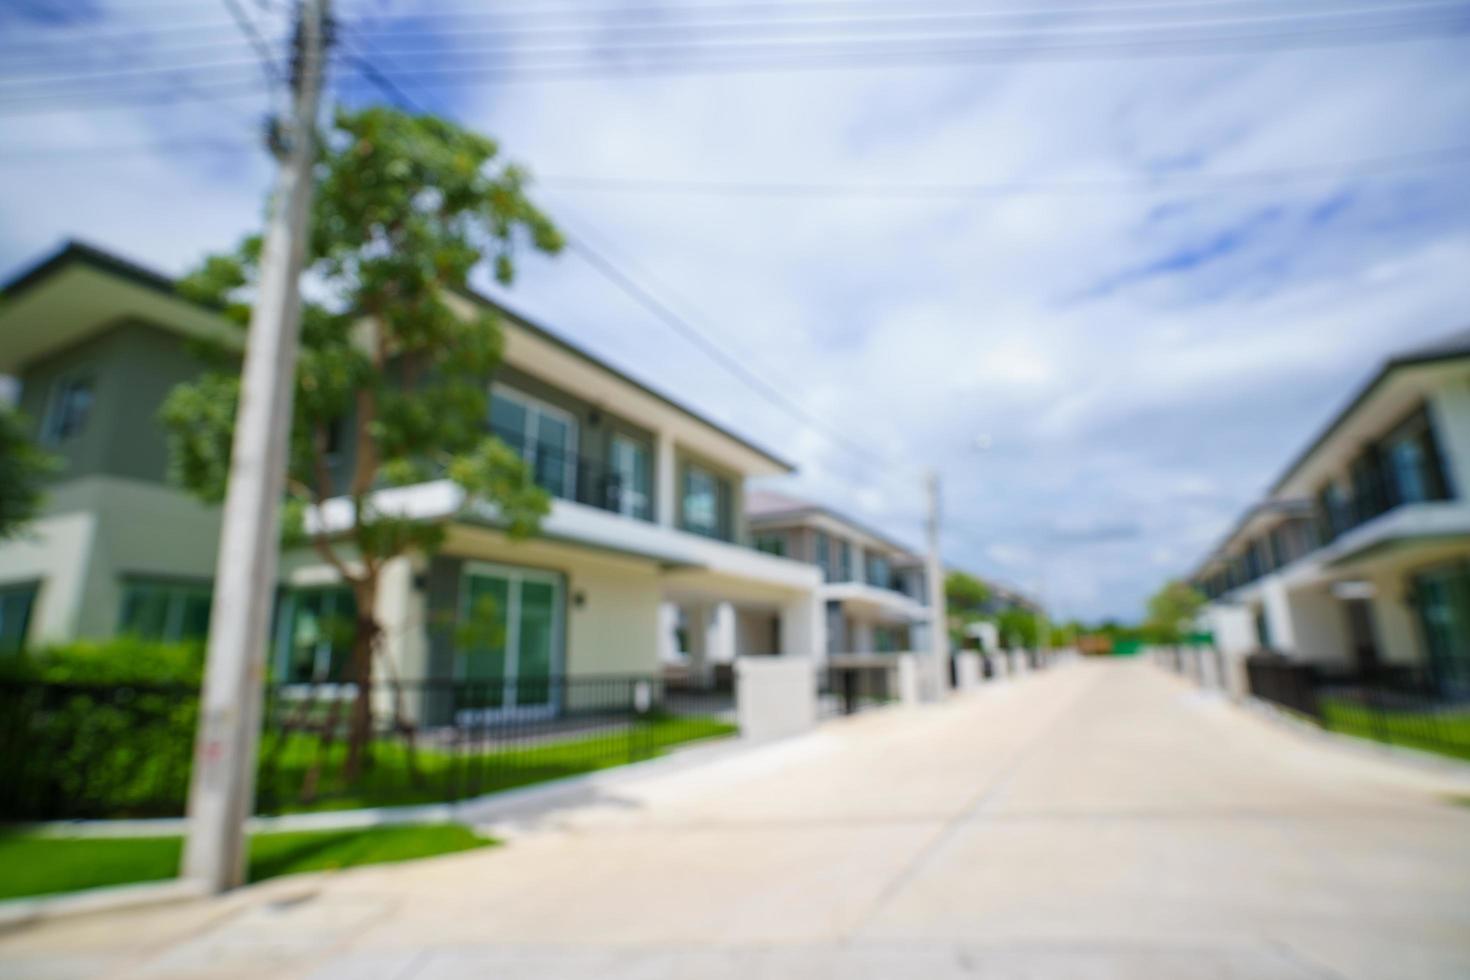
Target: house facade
1358, 560
647, 507
873, 591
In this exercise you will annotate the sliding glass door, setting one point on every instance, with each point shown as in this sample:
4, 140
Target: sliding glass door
1443, 600
509, 638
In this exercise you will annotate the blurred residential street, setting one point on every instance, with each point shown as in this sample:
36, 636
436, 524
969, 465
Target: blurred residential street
1106, 820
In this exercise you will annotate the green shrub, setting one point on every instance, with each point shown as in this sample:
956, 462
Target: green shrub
98, 728
120, 660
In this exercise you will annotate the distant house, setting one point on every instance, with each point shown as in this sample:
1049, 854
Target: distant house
873, 589
1358, 560
648, 512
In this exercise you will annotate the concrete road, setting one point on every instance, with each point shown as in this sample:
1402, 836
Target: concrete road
1103, 820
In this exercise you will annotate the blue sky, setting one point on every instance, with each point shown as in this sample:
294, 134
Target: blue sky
1143, 360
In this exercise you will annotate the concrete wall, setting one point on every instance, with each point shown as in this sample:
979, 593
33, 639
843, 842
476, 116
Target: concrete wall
775, 697
967, 671
1321, 627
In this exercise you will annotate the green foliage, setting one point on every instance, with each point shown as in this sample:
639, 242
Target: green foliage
48, 865
119, 660
392, 382
24, 468
1019, 628
965, 594
1171, 612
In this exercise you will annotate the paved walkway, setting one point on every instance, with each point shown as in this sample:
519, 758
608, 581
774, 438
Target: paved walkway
1103, 820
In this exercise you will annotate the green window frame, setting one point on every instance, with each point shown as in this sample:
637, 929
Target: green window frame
16, 604
165, 610
68, 408
315, 626
631, 464
705, 503
822, 548
771, 542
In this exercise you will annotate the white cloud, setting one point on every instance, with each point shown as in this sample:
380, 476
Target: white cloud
1138, 359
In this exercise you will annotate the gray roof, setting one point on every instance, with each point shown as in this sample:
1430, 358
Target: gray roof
769, 507
1446, 348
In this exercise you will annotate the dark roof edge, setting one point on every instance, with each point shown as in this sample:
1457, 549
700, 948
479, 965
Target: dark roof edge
1364, 393
550, 336
76, 251
836, 515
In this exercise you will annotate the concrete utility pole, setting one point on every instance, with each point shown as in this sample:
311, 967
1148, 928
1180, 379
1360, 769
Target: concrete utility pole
222, 786
938, 680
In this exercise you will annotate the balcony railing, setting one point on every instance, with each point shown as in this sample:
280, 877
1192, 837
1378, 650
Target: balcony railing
572, 476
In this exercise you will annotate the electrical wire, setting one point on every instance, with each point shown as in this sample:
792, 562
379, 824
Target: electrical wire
248, 27
1367, 167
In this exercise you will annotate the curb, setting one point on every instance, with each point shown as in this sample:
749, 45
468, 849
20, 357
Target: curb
538, 794
18, 912
1418, 758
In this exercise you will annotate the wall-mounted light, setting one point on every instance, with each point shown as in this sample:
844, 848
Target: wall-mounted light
579, 599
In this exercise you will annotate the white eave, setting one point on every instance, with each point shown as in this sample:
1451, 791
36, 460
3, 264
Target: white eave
579, 524
885, 602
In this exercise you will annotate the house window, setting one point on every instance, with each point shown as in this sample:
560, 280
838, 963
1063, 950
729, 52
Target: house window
823, 546
706, 499
164, 610
1336, 510
15, 616
879, 573
314, 633
631, 478
844, 561
772, 543
1411, 458
545, 436
71, 404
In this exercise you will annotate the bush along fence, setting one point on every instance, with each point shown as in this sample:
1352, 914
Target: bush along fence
1397, 706
78, 751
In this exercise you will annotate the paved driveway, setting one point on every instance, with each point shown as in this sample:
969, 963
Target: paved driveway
1103, 820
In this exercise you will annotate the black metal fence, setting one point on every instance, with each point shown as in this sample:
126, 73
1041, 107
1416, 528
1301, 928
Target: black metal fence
845, 688
90, 751
1397, 705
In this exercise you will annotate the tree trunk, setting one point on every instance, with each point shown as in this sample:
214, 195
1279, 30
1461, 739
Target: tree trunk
360, 725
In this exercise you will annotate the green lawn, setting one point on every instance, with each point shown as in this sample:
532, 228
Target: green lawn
435, 775
45, 865
1444, 733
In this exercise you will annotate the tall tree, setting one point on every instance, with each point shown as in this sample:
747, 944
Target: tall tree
392, 378
1171, 611
965, 597
24, 467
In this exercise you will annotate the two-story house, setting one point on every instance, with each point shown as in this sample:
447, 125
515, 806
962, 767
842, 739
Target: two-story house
873, 588
647, 510
1359, 558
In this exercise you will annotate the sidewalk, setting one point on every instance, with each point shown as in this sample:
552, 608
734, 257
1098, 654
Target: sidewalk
1103, 820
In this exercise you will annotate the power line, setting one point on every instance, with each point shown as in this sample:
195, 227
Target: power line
666, 315
658, 14
378, 79
251, 30
661, 311
148, 73
1448, 156
944, 22
613, 63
